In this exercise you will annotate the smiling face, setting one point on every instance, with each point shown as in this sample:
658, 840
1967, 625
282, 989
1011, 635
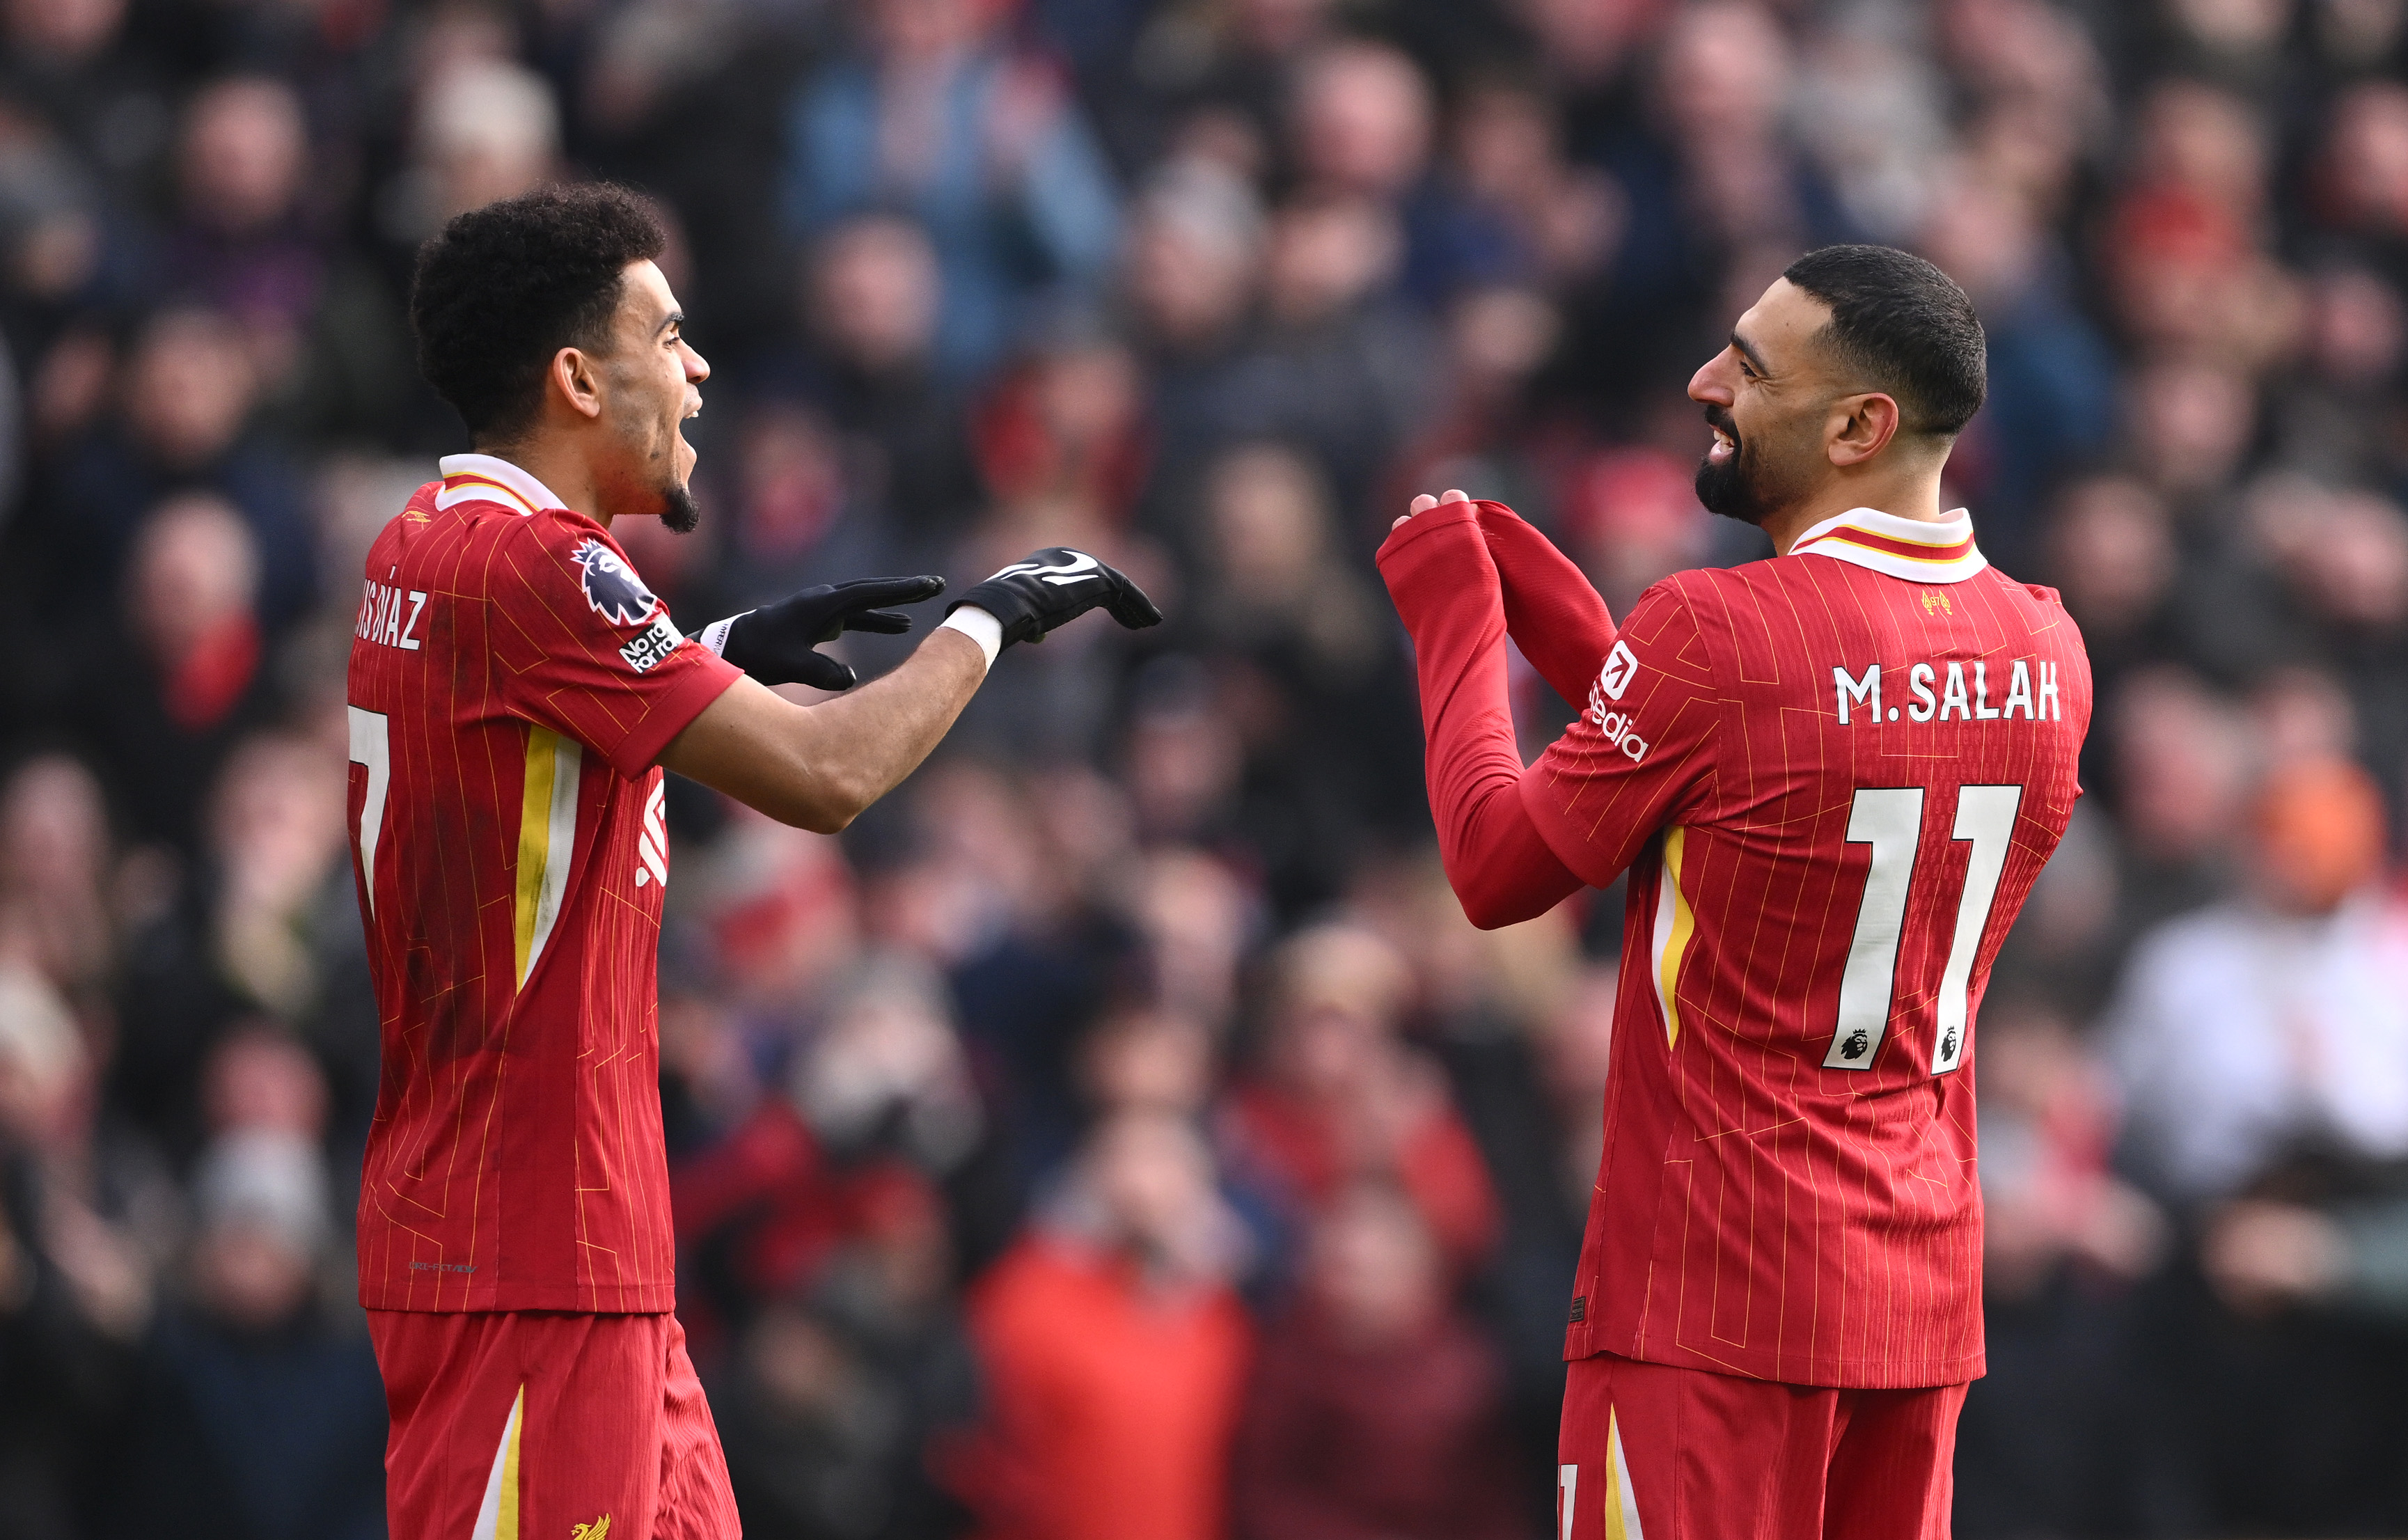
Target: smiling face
1768, 397
652, 383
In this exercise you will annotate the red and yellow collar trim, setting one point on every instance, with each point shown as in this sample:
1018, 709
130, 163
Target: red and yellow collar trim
1912, 548
490, 478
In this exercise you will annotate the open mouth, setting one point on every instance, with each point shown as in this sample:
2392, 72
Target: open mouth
1725, 445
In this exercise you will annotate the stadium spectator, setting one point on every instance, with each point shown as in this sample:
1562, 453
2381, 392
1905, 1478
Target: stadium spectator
2263, 1028
1375, 1410
187, 398
939, 115
259, 1412
244, 162
84, 1213
166, 705
55, 874
1114, 1351
873, 297
1337, 1097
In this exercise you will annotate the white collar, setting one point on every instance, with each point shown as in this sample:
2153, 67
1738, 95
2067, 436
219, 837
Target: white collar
1916, 549
488, 478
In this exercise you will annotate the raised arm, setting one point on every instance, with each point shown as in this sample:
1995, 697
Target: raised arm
1445, 585
818, 767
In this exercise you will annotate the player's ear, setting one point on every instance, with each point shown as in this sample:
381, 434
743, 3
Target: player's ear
1862, 426
576, 381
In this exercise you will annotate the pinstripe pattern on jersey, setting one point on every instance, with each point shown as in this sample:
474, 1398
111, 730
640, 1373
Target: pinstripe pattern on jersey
547, 841
1756, 1213
515, 1160
1674, 925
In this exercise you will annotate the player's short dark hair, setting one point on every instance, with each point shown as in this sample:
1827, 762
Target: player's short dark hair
500, 290
1904, 327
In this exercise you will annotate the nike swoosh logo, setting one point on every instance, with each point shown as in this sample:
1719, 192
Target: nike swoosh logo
1073, 571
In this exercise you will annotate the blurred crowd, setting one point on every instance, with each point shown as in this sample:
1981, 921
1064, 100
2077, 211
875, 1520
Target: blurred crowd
1120, 1134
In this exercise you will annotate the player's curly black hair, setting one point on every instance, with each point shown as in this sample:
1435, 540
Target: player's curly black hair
499, 290
1905, 327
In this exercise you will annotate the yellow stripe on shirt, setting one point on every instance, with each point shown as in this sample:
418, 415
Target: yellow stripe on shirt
547, 841
1673, 926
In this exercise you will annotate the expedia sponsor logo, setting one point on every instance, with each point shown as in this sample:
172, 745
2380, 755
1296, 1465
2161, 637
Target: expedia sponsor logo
1617, 726
611, 586
658, 640
1620, 666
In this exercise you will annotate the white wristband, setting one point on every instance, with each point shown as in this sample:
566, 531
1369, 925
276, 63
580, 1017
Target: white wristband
979, 626
714, 636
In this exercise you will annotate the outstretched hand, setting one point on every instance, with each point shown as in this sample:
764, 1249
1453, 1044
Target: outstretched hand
1055, 586
775, 644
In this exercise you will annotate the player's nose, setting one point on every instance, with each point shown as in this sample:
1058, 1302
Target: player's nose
1709, 385
697, 368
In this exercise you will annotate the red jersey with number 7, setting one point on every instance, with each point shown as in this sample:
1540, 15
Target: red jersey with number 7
511, 681
1833, 777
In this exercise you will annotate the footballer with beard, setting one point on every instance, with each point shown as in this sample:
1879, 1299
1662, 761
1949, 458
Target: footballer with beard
515, 691
1832, 777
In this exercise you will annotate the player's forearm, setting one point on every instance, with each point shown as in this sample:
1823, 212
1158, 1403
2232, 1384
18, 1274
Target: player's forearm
870, 739
1500, 868
819, 767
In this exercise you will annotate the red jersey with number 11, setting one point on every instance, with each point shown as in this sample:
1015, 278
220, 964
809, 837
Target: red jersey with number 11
511, 683
1833, 777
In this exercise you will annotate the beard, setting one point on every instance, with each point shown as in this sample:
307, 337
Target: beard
680, 513
1753, 484
1732, 486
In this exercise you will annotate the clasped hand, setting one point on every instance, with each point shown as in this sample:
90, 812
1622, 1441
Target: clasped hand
1552, 612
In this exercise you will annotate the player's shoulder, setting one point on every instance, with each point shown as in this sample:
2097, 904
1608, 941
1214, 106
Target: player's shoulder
2042, 609
2038, 596
1716, 586
558, 549
1683, 592
535, 541
1703, 600
417, 512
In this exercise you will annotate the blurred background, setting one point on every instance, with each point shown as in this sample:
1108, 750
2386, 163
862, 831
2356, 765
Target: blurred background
1119, 1132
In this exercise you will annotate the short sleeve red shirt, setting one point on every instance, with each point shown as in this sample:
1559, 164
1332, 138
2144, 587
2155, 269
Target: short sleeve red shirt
511, 683
1833, 777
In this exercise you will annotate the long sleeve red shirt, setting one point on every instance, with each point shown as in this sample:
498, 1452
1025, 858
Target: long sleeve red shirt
1463, 575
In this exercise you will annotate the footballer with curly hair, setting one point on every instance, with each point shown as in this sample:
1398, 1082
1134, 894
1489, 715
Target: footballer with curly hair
515, 691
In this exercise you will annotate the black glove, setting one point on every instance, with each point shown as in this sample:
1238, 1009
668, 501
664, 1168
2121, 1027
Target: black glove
774, 643
1053, 585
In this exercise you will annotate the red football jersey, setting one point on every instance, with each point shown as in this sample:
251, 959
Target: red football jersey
511, 683
1833, 776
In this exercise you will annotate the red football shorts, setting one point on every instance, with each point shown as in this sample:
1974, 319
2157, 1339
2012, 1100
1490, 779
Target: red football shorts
1650, 1452
531, 1425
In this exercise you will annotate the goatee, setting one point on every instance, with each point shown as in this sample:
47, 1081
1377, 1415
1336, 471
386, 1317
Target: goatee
680, 513
1724, 488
